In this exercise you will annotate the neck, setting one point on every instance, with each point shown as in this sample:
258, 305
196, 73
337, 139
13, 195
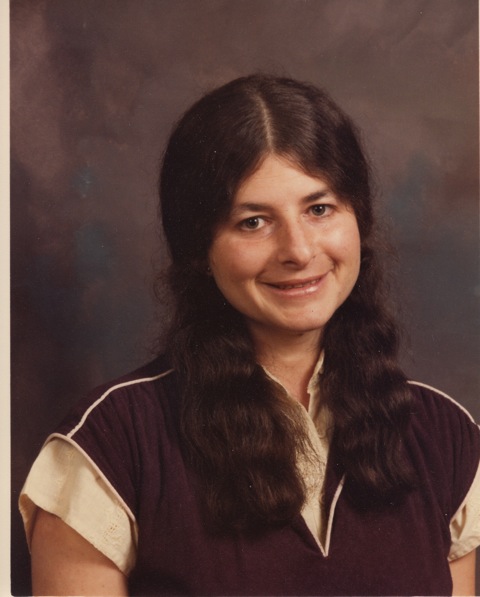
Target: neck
291, 360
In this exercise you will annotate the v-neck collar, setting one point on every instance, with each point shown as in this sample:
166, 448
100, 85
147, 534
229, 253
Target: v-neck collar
319, 509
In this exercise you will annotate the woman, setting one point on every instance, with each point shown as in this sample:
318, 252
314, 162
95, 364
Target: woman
277, 449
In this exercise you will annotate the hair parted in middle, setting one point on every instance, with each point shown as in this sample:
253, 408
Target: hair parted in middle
241, 434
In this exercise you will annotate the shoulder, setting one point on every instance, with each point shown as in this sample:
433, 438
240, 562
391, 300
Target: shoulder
442, 413
141, 391
126, 426
142, 382
445, 440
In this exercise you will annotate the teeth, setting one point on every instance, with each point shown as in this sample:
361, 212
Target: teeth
288, 286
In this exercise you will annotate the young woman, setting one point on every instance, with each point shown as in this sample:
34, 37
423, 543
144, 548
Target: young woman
277, 448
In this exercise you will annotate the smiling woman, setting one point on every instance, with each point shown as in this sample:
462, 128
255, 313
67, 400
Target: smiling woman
277, 448
288, 255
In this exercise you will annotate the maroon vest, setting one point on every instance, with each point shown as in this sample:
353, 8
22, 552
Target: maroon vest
132, 435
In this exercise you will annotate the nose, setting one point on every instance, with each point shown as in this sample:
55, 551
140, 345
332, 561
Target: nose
296, 244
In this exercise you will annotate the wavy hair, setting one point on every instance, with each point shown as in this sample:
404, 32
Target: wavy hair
240, 432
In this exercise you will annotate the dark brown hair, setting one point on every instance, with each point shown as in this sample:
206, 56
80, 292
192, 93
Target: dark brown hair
240, 433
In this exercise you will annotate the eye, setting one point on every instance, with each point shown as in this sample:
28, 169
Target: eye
253, 223
320, 209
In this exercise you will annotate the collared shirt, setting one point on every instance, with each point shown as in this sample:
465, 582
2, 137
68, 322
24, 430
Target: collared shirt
65, 482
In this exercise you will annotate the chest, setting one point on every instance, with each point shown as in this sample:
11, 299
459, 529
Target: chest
401, 550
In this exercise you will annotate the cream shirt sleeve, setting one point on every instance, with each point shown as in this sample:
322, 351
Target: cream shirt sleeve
465, 525
64, 482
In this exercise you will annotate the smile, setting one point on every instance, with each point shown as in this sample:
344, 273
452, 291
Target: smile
291, 284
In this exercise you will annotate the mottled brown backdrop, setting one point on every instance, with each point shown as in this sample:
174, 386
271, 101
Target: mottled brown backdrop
95, 87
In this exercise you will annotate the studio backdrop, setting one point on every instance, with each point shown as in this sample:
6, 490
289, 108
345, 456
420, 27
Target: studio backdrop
95, 88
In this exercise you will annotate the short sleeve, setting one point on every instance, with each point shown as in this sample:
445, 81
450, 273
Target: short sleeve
465, 525
64, 482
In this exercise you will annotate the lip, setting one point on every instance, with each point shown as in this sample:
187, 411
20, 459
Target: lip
297, 286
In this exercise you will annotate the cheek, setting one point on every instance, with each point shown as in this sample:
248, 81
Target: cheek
356, 251
349, 251
232, 275
231, 262
347, 242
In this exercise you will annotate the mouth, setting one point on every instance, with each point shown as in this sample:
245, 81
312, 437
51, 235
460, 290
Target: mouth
291, 284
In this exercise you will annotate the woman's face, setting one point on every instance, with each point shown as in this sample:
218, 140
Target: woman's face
289, 253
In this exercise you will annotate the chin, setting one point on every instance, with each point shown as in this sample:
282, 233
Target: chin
306, 329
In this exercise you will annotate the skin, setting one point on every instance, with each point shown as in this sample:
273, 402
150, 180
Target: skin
463, 574
64, 563
287, 257
286, 228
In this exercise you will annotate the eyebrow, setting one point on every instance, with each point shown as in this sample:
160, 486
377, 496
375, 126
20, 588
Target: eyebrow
259, 207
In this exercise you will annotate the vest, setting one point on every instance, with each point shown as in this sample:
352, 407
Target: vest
129, 429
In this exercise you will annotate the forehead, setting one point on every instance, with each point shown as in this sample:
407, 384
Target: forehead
278, 176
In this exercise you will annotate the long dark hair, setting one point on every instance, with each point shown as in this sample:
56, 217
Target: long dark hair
240, 432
